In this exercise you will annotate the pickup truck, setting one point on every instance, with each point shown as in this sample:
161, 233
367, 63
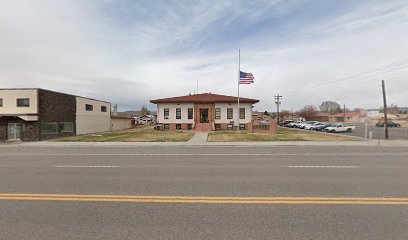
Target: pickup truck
339, 128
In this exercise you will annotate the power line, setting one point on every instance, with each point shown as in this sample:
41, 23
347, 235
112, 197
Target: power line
393, 67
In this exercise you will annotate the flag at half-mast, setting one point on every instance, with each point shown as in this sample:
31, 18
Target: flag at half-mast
246, 78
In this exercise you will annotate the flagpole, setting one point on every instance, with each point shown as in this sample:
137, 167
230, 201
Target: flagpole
239, 74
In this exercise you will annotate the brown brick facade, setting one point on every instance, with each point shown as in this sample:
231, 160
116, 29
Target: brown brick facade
211, 111
173, 126
29, 130
3, 130
56, 107
224, 126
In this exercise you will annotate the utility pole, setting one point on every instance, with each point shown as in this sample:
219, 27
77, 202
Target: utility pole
385, 110
344, 113
278, 102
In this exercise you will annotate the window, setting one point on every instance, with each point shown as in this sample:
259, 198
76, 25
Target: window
230, 127
190, 113
166, 113
166, 126
88, 107
242, 113
241, 126
218, 113
178, 113
23, 102
1, 102
49, 128
217, 127
103, 108
230, 113
178, 126
189, 126
66, 127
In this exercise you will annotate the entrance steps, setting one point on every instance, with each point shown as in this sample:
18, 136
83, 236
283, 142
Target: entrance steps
203, 127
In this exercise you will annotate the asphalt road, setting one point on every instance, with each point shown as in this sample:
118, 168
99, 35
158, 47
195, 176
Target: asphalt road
291, 192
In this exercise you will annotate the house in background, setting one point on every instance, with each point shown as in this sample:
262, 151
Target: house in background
146, 119
204, 112
355, 116
32, 114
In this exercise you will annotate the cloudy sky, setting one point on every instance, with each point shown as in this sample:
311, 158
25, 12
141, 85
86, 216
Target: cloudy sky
130, 51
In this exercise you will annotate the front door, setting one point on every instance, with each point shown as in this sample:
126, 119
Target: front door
204, 115
14, 131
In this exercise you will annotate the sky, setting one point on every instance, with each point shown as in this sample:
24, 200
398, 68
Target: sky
129, 52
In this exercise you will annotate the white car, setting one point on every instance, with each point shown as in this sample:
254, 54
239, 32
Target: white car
293, 124
339, 128
298, 123
303, 124
311, 125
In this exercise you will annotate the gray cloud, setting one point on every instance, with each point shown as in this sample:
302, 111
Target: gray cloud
130, 52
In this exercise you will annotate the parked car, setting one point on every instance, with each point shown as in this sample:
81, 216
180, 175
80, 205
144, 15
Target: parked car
323, 127
293, 124
339, 128
309, 123
284, 123
389, 124
297, 124
312, 126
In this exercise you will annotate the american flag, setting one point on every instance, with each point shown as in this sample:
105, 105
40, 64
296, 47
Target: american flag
246, 78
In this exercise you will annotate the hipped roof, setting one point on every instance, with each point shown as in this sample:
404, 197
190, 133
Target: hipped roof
204, 98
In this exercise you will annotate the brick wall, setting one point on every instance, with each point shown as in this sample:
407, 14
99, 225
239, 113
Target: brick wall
29, 130
56, 107
3, 130
211, 111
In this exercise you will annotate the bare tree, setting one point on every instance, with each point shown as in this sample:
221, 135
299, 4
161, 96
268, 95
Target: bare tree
330, 107
307, 111
284, 114
391, 109
144, 111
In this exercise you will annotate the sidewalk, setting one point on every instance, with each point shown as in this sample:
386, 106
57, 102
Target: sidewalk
200, 140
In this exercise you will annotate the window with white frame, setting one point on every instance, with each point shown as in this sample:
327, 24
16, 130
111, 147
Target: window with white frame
242, 113
166, 113
218, 113
178, 113
190, 113
230, 113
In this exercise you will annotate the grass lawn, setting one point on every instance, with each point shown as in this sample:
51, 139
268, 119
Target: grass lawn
283, 134
134, 135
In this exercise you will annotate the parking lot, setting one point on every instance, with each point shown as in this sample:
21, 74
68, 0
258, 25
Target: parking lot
378, 132
395, 133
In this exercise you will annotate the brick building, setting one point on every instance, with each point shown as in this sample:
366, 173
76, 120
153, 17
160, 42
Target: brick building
204, 112
355, 116
32, 114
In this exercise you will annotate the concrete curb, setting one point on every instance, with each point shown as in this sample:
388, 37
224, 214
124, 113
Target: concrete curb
368, 143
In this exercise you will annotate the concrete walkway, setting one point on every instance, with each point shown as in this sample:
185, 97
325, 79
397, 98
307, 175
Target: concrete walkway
199, 138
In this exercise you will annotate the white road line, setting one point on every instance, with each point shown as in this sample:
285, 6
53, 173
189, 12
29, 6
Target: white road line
323, 166
205, 154
85, 166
